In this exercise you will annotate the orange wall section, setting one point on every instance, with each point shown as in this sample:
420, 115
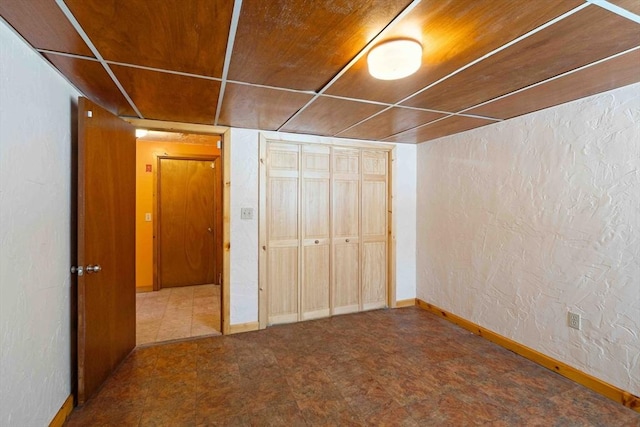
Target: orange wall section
147, 153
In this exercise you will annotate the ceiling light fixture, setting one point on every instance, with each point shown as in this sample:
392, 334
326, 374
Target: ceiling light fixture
141, 133
395, 59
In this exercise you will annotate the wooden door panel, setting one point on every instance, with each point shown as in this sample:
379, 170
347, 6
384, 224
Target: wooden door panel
346, 286
283, 234
316, 282
374, 208
283, 157
283, 208
316, 159
106, 237
188, 221
218, 220
374, 275
346, 161
316, 220
346, 208
283, 284
316, 208
374, 162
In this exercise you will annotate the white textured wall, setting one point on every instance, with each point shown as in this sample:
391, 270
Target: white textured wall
404, 215
522, 221
35, 152
244, 233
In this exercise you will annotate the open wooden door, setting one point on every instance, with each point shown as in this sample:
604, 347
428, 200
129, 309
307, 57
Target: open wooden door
106, 245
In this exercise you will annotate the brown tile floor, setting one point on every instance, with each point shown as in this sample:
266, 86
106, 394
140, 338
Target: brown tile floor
174, 313
402, 367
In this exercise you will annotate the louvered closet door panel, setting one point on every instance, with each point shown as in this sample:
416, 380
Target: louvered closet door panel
346, 230
374, 229
283, 263
316, 230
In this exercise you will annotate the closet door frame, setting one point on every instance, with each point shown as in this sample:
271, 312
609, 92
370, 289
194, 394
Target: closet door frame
262, 215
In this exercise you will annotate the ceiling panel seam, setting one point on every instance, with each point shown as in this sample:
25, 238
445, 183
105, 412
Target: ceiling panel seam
497, 50
419, 126
162, 70
462, 112
470, 64
616, 9
355, 59
541, 82
68, 55
283, 89
233, 29
74, 22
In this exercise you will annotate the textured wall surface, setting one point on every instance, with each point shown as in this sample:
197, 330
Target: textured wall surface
244, 233
522, 221
404, 215
35, 177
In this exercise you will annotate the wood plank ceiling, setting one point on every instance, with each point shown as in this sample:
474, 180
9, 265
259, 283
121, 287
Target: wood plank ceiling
300, 65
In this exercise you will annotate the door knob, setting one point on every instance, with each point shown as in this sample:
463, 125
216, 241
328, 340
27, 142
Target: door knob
347, 240
77, 270
209, 229
317, 241
93, 269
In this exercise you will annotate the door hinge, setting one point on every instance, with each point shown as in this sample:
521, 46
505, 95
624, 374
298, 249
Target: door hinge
220, 279
219, 145
89, 113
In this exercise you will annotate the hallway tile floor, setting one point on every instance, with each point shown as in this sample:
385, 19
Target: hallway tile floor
175, 313
403, 367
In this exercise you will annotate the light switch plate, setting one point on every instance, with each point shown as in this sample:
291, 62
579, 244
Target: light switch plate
246, 213
147, 217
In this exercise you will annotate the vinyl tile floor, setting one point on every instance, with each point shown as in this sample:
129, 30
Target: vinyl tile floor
175, 313
402, 367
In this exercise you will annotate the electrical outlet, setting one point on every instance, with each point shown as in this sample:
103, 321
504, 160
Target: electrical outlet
574, 321
246, 213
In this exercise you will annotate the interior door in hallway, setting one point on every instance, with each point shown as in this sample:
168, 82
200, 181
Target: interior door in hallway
189, 222
106, 245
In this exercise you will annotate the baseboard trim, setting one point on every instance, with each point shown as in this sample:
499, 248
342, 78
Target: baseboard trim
141, 289
63, 413
406, 303
608, 390
243, 327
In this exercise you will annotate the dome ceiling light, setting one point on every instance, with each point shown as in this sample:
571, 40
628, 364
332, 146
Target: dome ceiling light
395, 59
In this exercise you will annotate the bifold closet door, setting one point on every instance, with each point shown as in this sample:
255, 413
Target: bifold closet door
282, 232
316, 232
346, 230
374, 229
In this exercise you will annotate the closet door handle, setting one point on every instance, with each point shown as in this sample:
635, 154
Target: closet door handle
347, 240
317, 241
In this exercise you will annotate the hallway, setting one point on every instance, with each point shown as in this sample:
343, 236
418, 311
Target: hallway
386, 367
176, 313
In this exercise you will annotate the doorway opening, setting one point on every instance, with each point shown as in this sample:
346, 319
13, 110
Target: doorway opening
179, 236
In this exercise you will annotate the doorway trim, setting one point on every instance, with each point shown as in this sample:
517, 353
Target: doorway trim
157, 177
225, 135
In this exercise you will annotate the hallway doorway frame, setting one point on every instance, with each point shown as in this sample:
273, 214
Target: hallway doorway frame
225, 142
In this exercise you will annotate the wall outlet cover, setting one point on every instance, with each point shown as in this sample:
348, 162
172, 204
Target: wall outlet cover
574, 320
246, 213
